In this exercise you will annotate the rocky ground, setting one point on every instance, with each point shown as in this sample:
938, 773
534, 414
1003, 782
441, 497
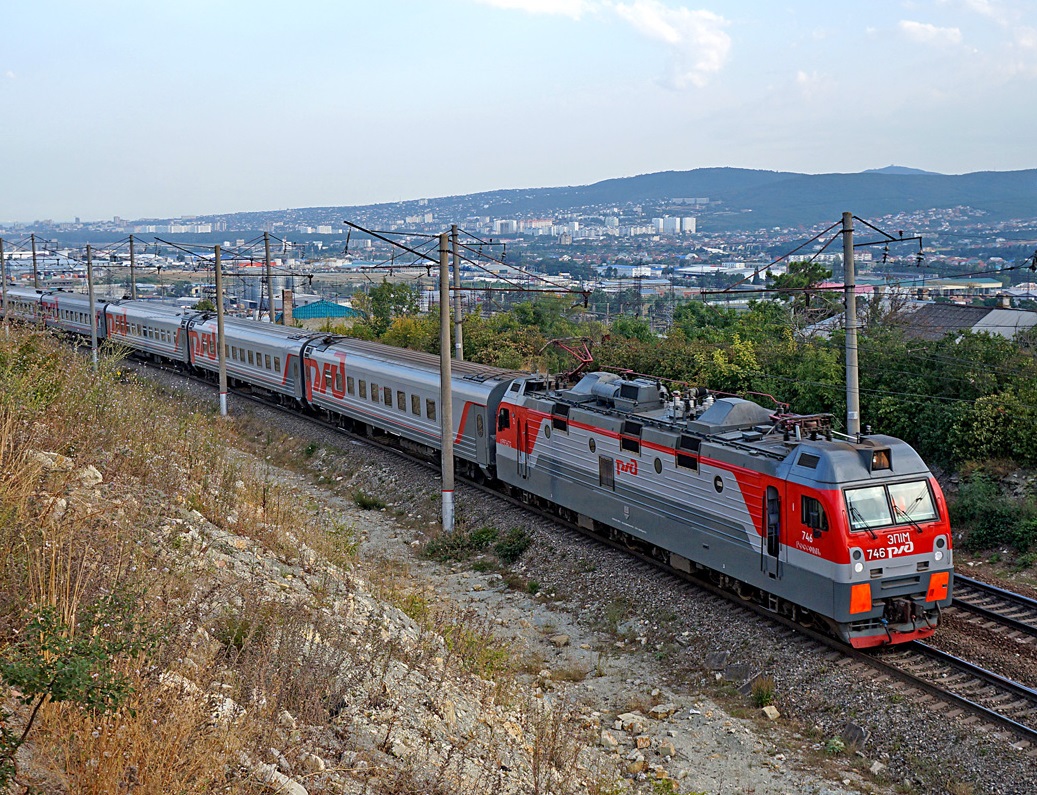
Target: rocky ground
622, 676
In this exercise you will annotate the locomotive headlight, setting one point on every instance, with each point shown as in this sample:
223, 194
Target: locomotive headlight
938, 555
859, 567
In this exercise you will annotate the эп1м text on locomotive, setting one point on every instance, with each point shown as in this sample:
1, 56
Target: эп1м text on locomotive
852, 533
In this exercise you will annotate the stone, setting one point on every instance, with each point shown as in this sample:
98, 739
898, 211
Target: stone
559, 641
312, 763
771, 712
667, 748
633, 722
286, 720
716, 660
635, 763
52, 462
642, 741
877, 769
659, 772
282, 784
736, 672
608, 739
853, 735
449, 713
662, 711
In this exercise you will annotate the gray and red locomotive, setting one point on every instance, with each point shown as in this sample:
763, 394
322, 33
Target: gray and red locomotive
849, 533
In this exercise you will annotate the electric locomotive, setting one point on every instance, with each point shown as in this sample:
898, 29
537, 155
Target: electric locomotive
849, 532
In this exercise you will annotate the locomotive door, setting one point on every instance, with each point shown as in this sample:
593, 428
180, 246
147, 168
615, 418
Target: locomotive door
523, 446
770, 540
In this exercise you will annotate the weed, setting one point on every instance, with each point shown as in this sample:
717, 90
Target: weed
762, 693
835, 746
532, 587
510, 548
367, 502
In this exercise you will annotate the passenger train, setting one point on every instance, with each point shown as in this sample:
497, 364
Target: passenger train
850, 533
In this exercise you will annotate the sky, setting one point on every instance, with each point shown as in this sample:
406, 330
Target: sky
161, 109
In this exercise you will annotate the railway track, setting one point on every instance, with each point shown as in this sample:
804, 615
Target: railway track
997, 607
966, 688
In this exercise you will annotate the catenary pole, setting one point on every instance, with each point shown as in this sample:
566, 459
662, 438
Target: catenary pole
219, 336
3, 280
35, 270
93, 304
853, 397
133, 271
269, 278
445, 393
458, 338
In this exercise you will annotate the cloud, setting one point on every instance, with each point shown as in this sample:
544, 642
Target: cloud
9, 75
566, 8
699, 47
925, 33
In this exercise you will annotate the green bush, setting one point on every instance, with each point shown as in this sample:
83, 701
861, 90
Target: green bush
987, 518
510, 548
367, 502
460, 545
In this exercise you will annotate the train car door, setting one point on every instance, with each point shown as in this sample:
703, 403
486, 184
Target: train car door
771, 540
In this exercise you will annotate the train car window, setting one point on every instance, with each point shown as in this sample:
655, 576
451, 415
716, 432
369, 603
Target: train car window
363, 389
266, 359
606, 473
233, 353
415, 405
387, 396
326, 380
560, 417
430, 409
503, 419
401, 400
630, 439
374, 392
813, 514
350, 385
277, 363
251, 357
339, 382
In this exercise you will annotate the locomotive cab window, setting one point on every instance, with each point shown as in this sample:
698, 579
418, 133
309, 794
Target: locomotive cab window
813, 514
503, 419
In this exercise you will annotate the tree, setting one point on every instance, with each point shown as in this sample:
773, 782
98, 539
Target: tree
798, 284
388, 301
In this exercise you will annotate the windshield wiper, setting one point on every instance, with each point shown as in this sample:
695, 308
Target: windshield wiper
899, 512
856, 516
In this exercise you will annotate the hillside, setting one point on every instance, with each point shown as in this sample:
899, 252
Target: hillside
739, 198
